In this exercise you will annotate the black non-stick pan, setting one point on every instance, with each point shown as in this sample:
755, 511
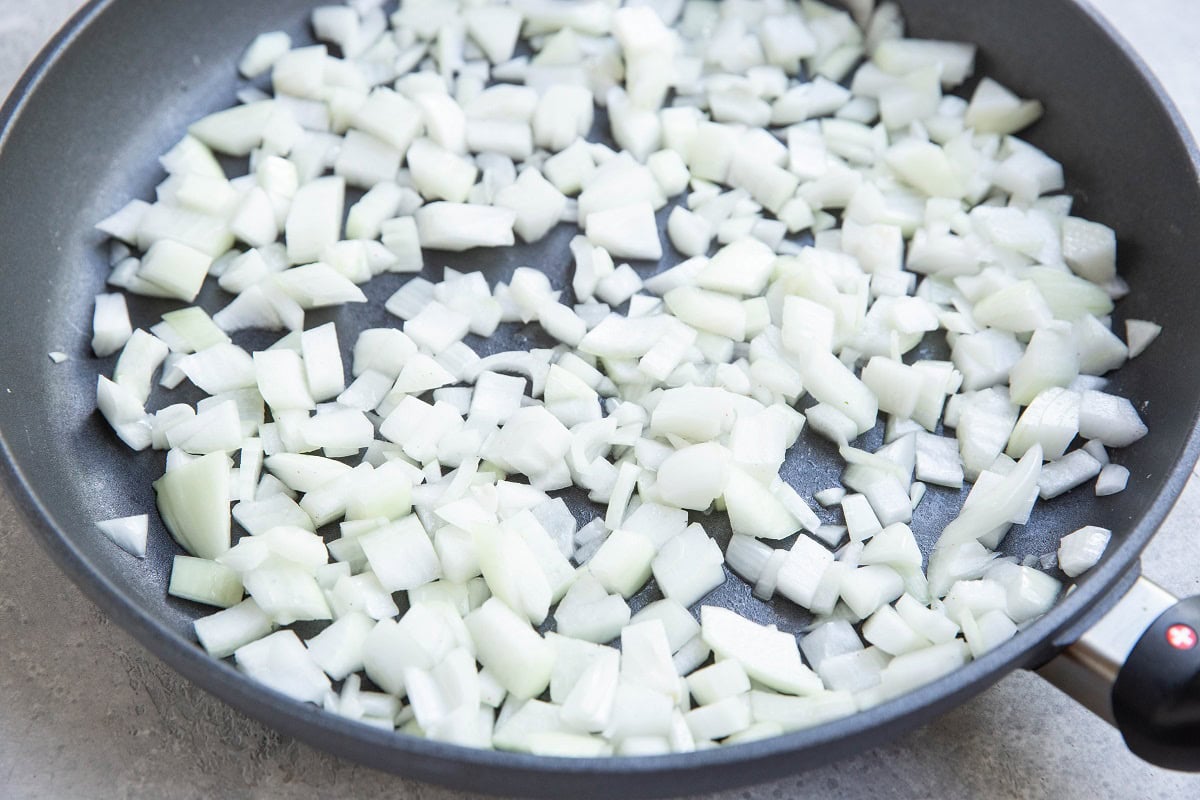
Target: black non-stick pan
120, 84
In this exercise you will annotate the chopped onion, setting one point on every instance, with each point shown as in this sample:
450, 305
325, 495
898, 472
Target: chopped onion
128, 533
665, 393
1079, 551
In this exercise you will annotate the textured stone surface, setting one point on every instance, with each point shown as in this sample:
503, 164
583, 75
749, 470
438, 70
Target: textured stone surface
86, 712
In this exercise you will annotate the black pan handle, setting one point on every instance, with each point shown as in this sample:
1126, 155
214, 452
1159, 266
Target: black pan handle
1156, 699
1139, 668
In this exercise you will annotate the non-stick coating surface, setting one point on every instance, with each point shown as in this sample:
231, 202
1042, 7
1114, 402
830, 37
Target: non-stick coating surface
121, 85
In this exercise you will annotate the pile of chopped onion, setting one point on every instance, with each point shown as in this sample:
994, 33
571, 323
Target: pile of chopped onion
831, 204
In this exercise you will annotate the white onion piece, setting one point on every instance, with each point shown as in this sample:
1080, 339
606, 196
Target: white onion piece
453, 226
768, 656
315, 219
802, 570
175, 268
911, 670
866, 589
1080, 550
204, 581
1073, 469
110, 325
1110, 420
224, 632
1029, 592
338, 648
1140, 333
317, 285
861, 522
894, 546
694, 476
1090, 249
511, 568
194, 503
626, 232
235, 131
281, 662
139, 360
536, 203
588, 612
322, 362
286, 592
513, 652
1113, 478
128, 533
264, 51
688, 566
722, 680
888, 631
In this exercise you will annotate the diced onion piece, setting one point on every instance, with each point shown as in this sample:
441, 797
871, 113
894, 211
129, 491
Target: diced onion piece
1139, 333
694, 476
318, 285
203, 581
714, 312
626, 232
513, 652
176, 269
281, 380
1090, 249
535, 202
802, 570
110, 325
264, 51
1080, 550
912, 670
128, 533
995, 109
989, 630
1050, 422
717, 682
235, 131
1109, 419
281, 662
754, 510
314, 220
322, 362
588, 612
1029, 592
934, 626
1073, 469
286, 592
194, 503
688, 566
457, 227
623, 562
866, 589
225, 631
338, 648
888, 631
768, 656
1113, 479
495, 30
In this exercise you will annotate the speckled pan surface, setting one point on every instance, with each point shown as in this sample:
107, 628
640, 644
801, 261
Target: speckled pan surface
122, 83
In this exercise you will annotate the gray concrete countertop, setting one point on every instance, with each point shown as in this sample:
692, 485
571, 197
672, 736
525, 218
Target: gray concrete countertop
85, 712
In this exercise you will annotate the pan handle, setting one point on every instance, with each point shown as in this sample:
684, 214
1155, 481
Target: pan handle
1138, 668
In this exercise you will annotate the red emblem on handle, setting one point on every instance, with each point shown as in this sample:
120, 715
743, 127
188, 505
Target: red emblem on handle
1181, 637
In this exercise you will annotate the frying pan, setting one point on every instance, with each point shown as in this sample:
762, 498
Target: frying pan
121, 82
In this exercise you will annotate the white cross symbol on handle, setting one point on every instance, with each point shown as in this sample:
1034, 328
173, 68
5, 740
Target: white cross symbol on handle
1181, 637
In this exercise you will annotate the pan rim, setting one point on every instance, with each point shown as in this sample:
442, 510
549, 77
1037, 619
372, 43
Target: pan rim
443, 762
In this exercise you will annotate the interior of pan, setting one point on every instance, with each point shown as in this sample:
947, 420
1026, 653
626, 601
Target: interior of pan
121, 85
